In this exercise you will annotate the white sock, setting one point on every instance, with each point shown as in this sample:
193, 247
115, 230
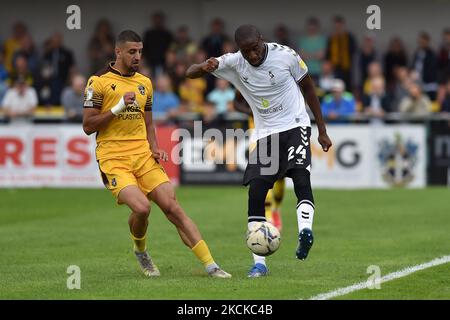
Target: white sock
305, 214
256, 258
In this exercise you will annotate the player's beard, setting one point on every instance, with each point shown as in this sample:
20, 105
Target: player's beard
133, 67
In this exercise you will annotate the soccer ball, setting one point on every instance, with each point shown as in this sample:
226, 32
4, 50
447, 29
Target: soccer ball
263, 239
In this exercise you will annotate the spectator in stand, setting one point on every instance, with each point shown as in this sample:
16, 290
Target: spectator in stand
21, 71
229, 47
222, 97
20, 101
425, 64
3, 76
326, 78
183, 46
366, 56
445, 107
12, 44
73, 97
416, 103
171, 62
28, 50
312, 47
400, 91
341, 48
444, 65
281, 34
340, 104
376, 103
192, 93
58, 63
213, 43
374, 70
157, 41
101, 46
395, 57
210, 120
177, 76
165, 103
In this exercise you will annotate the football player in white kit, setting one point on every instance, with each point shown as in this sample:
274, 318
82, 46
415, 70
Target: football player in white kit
269, 77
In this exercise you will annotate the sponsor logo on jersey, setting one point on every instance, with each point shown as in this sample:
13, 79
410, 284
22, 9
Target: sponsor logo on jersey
302, 64
270, 110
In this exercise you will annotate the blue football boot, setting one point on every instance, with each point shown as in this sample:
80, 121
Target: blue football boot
258, 270
305, 242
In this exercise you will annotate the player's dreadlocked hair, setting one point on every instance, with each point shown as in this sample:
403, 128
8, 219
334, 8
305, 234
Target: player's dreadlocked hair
127, 35
246, 32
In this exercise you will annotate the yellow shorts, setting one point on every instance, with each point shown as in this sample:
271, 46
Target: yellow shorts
141, 170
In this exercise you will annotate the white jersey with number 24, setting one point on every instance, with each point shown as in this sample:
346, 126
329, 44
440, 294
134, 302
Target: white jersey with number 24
270, 89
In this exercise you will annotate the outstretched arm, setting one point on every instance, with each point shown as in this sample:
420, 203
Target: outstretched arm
199, 70
309, 92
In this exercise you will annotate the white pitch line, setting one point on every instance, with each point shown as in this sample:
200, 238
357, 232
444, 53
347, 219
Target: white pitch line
391, 276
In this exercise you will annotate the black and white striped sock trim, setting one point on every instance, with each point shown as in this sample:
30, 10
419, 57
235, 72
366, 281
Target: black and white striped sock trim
256, 218
308, 202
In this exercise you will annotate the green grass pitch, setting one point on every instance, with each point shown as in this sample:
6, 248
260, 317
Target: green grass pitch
43, 231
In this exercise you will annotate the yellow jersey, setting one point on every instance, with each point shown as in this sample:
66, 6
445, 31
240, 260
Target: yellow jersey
126, 134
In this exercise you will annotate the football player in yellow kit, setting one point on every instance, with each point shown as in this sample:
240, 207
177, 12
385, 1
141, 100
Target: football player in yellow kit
117, 107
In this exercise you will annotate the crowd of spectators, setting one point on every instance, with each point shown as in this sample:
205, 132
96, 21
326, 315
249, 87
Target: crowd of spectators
352, 75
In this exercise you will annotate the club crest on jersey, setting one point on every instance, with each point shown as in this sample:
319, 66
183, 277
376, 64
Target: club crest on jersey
272, 78
113, 182
141, 89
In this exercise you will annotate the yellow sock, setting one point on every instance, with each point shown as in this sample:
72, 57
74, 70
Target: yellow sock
268, 205
278, 193
202, 253
139, 243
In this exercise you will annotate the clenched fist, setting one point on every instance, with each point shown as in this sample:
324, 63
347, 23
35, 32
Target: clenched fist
210, 65
129, 98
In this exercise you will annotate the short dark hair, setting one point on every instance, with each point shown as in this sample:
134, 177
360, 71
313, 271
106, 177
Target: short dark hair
127, 36
338, 19
313, 21
246, 32
425, 35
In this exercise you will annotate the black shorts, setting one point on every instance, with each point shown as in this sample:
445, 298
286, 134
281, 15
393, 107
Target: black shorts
276, 155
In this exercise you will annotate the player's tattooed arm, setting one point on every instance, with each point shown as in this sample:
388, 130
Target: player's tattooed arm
309, 92
241, 105
199, 70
